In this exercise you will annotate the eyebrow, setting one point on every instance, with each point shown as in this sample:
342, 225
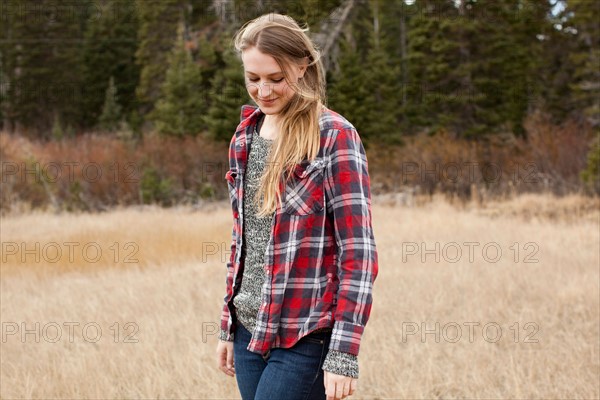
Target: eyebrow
273, 74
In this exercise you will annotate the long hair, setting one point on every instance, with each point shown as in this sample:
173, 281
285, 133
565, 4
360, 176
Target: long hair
280, 37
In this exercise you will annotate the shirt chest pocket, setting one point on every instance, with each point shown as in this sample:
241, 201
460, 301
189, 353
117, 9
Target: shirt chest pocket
304, 193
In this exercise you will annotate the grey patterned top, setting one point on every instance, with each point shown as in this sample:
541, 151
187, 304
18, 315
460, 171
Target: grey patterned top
257, 232
256, 236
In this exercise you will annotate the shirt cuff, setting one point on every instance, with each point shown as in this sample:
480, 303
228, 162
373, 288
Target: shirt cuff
223, 336
340, 363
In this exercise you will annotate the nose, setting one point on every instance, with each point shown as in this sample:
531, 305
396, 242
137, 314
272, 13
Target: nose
264, 91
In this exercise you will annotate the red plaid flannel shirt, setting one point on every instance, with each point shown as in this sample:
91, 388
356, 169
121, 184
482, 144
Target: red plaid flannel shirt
321, 260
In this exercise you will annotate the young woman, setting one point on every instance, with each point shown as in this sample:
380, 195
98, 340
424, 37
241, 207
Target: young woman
303, 255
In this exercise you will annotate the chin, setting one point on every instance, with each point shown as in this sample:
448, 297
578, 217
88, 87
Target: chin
269, 110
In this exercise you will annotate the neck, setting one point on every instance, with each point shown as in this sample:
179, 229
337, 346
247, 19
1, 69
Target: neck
271, 120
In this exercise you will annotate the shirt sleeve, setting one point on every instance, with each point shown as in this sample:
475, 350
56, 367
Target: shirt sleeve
348, 198
228, 289
229, 275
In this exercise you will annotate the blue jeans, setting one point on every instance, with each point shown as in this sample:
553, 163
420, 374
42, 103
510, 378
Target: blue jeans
291, 374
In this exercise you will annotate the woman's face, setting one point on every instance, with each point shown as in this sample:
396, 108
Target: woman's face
265, 81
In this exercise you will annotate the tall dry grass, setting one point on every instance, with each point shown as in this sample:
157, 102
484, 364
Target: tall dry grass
173, 293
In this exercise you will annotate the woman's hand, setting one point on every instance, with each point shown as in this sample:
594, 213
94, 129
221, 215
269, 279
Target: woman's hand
338, 387
225, 357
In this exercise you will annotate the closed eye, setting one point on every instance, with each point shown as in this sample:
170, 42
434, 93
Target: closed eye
275, 80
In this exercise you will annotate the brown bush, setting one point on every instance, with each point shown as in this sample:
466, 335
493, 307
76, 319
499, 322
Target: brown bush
97, 171
548, 159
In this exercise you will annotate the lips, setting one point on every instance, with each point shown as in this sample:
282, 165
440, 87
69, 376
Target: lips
268, 101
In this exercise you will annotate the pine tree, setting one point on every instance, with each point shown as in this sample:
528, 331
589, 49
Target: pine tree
181, 106
510, 59
111, 111
498, 66
348, 89
555, 97
585, 57
8, 69
57, 130
109, 50
228, 93
41, 57
433, 62
591, 174
318, 10
349, 92
157, 32
474, 66
383, 83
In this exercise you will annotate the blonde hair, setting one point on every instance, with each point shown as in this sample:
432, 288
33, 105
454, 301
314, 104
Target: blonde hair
280, 37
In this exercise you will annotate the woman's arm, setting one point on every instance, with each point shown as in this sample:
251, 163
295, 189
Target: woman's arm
348, 195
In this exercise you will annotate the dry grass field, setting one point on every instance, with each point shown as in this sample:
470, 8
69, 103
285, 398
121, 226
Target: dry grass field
498, 301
